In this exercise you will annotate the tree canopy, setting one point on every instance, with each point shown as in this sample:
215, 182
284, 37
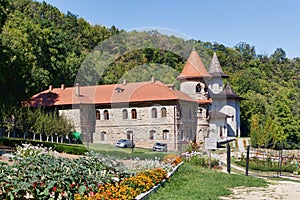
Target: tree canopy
41, 46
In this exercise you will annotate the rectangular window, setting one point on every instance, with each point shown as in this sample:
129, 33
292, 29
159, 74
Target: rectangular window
129, 135
165, 134
152, 135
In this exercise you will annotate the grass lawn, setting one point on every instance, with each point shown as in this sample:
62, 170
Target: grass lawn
191, 182
111, 150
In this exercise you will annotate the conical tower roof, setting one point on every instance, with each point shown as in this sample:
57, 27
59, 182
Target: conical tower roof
215, 68
193, 68
230, 94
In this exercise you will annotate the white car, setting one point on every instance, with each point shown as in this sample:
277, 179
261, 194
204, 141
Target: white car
160, 147
124, 143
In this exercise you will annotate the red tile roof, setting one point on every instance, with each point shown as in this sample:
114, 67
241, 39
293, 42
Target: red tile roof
193, 68
108, 94
204, 101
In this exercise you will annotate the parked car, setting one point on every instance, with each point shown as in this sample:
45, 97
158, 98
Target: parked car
123, 143
158, 146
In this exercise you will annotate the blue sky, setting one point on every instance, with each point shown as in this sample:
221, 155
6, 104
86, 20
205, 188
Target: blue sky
265, 24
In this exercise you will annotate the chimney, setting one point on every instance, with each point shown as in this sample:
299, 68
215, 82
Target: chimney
77, 89
124, 82
50, 87
153, 80
171, 86
62, 86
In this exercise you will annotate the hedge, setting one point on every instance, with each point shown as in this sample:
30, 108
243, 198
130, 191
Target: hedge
59, 147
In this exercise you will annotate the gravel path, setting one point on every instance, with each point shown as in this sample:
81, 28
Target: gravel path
285, 190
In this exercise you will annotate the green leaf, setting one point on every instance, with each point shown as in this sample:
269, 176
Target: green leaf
82, 189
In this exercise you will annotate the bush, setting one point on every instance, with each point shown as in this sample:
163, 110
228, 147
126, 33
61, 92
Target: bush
66, 148
201, 161
266, 166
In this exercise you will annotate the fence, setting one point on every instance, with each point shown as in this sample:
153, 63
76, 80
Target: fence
272, 162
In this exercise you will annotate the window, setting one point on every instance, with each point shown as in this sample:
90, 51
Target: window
125, 114
103, 136
152, 135
180, 133
190, 113
106, 115
133, 114
163, 112
97, 115
165, 134
178, 114
221, 131
198, 88
201, 113
153, 113
119, 90
129, 135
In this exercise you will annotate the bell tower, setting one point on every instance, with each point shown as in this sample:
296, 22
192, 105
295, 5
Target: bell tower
193, 79
225, 102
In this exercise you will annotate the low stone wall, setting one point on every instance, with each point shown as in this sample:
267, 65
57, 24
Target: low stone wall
145, 195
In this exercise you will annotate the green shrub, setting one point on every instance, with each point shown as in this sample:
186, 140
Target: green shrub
266, 166
59, 147
201, 161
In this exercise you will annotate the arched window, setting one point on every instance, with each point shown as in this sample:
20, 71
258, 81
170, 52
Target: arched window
97, 115
154, 113
198, 88
125, 114
201, 113
152, 135
165, 134
163, 112
106, 115
103, 136
133, 114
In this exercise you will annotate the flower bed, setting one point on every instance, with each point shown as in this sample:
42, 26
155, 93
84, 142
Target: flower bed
37, 173
139, 185
130, 187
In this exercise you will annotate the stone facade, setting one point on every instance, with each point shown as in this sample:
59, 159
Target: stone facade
150, 112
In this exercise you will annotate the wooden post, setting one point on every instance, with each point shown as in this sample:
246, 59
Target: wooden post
209, 159
228, 158
132, 146
247, 160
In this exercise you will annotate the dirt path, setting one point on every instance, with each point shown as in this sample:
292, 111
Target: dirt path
285, 190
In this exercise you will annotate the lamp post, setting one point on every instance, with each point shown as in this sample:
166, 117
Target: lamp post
132, 146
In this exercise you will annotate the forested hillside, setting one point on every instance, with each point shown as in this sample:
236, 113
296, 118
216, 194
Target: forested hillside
41, 46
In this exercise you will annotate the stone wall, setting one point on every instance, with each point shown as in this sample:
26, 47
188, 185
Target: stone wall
115, 128
178, 127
